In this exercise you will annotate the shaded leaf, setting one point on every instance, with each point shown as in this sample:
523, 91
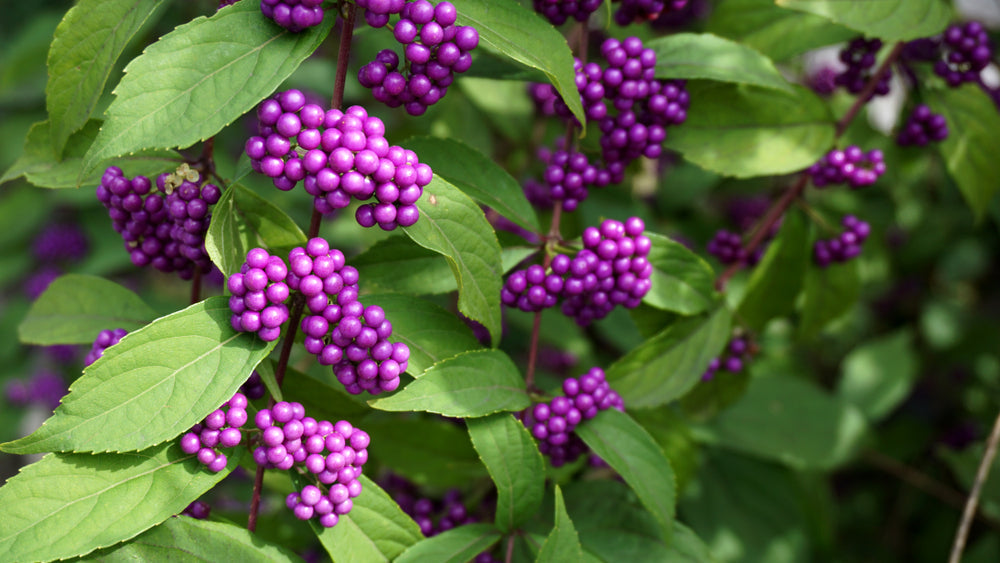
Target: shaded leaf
454, 226
442, 457
199, 78
71, 504
777, 279
667, 365
478, 176
518, 33
789, 420
510, 455
75, 308
472, 384
682, 281
563, 543
829, 293
241, 221
890, 20
156, 383
83, 53
879, 374
457, 545
743, 131
633, 453
777, 32
707, 56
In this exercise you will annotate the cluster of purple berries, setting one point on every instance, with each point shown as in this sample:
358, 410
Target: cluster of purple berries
334, 453
967, 51
859, 56
259, 293
922, 127
253, 387
558, 11
638, 11
341, 331
43, 388
643, 108
851, 166
221, 428
105, 339
568, 175
435, 50
612, 269
61, 242
553, 423
727, 246
734, 360
845, 246
293, 15
165, 227
338, 155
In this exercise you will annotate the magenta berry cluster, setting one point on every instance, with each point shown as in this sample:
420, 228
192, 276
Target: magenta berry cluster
220, 429
293, 15
435, 49
727, 246
332, 453
552, 423
967, 51
163, 227
339, 330
105, 339
259, 293
638, 11
253, 387
845, 246
859, 58
568, 175
338, 155
60, 242
559, 11
921, 127
612, 269
43, 388
735, 358
631, 107
851, 166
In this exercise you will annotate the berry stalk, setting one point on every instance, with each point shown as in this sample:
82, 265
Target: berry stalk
777, 210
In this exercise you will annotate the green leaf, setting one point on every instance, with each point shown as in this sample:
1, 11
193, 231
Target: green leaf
457, 545
789, 420
442, 457
777, 279
199, 78
743, 131
682, 281
156, 383
472, 384
322, 398
878, 375
829, 293
182, 539
889, 20
241, 221
972, 123
376, 529
478, 176
515, 465
453, 225
633, 453
71, 504
431, 333
84, 51
515, 32
75, 308
777, 32
666, 366
707, 56
42, 168
748, 510
397, 264
562, 544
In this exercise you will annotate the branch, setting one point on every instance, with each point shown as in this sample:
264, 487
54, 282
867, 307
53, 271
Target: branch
977, 488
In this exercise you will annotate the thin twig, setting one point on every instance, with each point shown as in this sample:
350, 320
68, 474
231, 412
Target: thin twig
509, 555
343, 57
977, 488
196, 286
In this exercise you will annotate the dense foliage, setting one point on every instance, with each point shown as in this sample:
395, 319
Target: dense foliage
570, 280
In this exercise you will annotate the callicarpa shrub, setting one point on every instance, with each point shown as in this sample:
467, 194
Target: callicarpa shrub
496, 280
